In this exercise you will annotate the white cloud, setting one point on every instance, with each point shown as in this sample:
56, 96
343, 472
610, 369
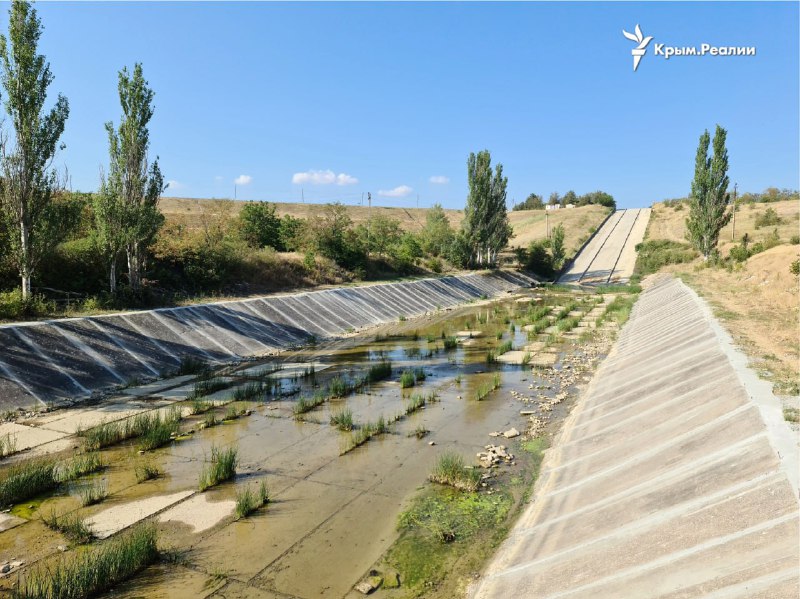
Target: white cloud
173, 185
398, 192
243, 180
327, 177
440, 179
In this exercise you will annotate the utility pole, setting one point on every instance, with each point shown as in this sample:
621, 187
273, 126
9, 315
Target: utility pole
417, 200
369, 219
733, 228
303, 195
547, 222
234, 191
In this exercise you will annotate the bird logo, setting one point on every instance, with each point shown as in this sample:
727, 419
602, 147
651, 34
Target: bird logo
641, 48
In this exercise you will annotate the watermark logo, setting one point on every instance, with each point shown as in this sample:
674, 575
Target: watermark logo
641, 48
666, 51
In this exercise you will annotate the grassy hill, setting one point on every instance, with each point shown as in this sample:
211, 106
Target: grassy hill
527, 224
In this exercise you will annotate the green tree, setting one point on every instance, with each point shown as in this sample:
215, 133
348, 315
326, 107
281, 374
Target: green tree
112, 218
437, 234
532, 202
291, 233
381, 233
331, 234
709, 197
554, 199
570, 198
259, 225
486, 227
557, 246
28, 184
138, 183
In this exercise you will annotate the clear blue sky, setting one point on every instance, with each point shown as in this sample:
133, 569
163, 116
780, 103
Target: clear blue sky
394, 94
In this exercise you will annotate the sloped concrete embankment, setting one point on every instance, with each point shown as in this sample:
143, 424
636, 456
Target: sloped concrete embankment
674, 476
70, 359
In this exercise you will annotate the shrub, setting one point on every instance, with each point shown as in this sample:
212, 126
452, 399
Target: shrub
538, 259
768, 218
655, 253
794, 240
221, 468
794, 267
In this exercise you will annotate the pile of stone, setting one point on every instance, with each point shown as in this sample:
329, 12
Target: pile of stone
495, 455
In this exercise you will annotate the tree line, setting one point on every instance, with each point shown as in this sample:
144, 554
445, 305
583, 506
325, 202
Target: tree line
536, 202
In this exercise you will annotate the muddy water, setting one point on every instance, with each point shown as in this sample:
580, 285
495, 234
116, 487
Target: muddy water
331, 516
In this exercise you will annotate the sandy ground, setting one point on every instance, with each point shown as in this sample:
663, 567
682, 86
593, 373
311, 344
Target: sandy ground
199, 512
759, 305
111, 520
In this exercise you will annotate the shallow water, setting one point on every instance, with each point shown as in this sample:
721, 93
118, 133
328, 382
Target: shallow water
331, 516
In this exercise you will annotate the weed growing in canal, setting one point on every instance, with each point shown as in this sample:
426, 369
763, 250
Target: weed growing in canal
77, 466
207, 386
407, 379
491, 358
248, 500
564, 312
535, 314
481, 318
450, 343
199, 406
93, 493
420, 432
210, 420
450, 470
499, 335
343, 420
419, 401
221, 468
157, 430
8, 445
306, 404
618, 310
378, 372
568, 324
485, 389
90, 573
457, 380
145, 470
507, 346
402, 318
526, 358
419, 375
192, 365
365, 432
251, 390
71, 525
338, 387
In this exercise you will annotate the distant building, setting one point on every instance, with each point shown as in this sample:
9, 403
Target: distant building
569, 206
553, 207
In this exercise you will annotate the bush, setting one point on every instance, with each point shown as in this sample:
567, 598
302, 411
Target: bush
538, 259
13, 307
655, 253
768, 218
794, 267
794, 240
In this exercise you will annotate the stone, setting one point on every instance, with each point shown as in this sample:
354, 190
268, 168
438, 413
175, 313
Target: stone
511, 433
431, 442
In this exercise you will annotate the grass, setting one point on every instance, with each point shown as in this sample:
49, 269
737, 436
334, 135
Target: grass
343, 420
200, 406
27, 479
145, 470
8, 445
71, 525
378, 372
221, 468
450, 343
619, 309
419, 401
207, 386
159, 430
505, 347
338, 387
155, 430
210, 420
251, 390
419, 375
248, 500
364, 433
306, 404
566, 325
192, 365
450, 470
420, 432
90, 573
407, 379
79, 465
484, 389
93, 493
491, 357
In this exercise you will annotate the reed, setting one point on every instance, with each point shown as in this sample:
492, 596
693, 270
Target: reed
221, 468
450, 470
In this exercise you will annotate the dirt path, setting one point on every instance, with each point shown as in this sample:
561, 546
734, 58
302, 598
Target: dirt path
674, 476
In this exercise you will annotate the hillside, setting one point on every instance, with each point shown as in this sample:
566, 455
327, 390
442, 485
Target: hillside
527, 224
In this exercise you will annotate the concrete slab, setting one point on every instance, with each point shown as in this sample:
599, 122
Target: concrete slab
26, 437
199, 512
156, 387
669, 478
114, 519
514, 357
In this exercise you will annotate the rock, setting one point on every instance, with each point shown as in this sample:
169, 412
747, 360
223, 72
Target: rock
5, 569
495, 434
62, 548
392, 580
431, 442
511, 433
526, 412
370, 584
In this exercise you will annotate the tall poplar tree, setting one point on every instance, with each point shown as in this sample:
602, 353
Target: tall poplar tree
28, 183
486, 229
133, 187
709, 197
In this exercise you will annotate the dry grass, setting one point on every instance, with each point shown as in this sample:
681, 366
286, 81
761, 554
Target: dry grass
668, 223
529, 225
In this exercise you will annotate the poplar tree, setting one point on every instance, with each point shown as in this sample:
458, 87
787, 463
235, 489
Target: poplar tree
557, 246
486, 229
28, 183
129, 196
709, 197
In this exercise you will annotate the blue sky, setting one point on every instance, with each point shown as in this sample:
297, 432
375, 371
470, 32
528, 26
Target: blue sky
391, 95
